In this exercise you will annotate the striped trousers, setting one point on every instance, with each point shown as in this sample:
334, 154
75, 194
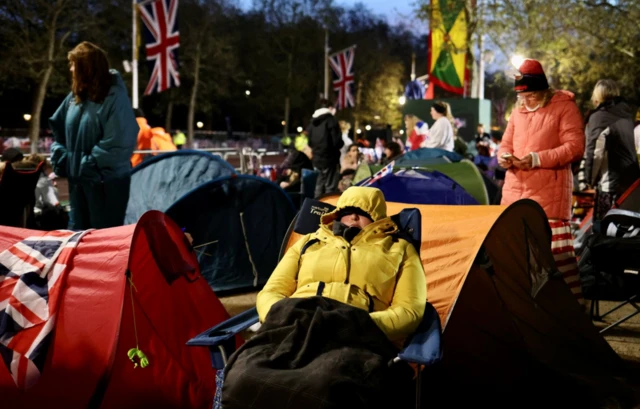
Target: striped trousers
565, 256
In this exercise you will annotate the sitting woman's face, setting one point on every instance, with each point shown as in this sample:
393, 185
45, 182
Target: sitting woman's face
355, 220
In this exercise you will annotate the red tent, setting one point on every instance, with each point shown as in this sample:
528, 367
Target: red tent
86, 363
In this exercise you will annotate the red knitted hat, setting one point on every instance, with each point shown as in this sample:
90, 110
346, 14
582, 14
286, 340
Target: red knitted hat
531, 77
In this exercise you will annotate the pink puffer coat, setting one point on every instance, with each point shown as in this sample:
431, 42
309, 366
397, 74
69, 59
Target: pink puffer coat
556, 133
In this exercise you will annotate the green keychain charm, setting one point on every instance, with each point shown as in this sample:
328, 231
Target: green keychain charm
136, 353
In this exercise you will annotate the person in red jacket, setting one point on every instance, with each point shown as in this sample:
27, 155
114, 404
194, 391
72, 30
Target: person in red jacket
545, 134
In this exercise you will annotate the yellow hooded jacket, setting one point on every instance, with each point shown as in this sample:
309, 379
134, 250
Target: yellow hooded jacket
375, 266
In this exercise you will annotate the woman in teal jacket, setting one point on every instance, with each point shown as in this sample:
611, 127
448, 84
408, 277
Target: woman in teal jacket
95, 133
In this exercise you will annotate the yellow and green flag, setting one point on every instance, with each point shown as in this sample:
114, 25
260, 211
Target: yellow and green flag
448, 45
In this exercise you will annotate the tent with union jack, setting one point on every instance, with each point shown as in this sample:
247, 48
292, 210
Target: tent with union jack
74, 304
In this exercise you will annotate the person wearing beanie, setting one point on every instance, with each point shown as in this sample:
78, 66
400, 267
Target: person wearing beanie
544, 136
441, 132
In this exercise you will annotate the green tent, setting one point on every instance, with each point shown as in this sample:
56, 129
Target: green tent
465, 173
363, 171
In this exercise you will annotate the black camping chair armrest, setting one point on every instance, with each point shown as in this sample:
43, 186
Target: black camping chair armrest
424, 346
220, 339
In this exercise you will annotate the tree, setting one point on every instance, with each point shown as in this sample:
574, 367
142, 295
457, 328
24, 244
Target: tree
381, 59
578, 41
380, 99
37, 31
207, 55
293, 26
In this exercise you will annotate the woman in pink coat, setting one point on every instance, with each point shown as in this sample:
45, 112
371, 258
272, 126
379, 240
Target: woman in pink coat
544, 136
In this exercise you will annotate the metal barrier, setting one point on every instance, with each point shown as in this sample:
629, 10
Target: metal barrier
245, 156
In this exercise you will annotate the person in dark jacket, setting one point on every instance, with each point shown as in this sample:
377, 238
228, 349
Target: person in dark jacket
95, 133
325, 141
611, 163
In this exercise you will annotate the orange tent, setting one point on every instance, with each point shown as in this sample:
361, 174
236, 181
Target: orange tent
509, 320
149, 138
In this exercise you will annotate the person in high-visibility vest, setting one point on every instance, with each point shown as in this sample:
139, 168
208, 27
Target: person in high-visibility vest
301, 141
179, 139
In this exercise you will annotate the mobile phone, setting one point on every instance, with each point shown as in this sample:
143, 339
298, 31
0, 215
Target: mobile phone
509, 156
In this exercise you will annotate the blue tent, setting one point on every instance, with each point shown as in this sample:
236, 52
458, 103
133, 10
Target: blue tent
158, 183
422, 187
238, 224
423, 156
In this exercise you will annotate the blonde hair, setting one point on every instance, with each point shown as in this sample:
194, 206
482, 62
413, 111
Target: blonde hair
344, 126
543, 96
604, 90
30, 162
452, 120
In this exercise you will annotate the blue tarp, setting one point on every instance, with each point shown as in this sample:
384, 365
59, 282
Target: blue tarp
422, 187
422, 156
158, 183
240, 223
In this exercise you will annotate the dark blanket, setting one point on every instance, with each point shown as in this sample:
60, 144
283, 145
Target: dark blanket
316, 353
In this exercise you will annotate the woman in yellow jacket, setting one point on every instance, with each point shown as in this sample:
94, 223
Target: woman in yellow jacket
356, 258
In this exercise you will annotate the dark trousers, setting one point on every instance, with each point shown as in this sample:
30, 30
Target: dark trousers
98, 205
328, 179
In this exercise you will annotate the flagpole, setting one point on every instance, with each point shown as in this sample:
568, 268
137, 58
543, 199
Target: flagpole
134, 59
326, 63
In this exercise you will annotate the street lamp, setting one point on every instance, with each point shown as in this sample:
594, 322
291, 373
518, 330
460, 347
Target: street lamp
299, 129
359, 131
199, 124
283, 123
402, 132
368, 127
27, 117
517, 60
402, 100
247, 92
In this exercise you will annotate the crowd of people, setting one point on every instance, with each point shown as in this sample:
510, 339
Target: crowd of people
547, 143
336, 152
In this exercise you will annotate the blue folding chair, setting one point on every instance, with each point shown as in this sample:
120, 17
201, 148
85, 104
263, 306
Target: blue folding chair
422, 348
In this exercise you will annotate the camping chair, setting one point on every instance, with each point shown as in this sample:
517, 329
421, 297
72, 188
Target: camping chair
17, 190
613, 250
422, 348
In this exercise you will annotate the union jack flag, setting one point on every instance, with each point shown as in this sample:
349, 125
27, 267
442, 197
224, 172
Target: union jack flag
162, 40
32, 276
387, 170
343, 82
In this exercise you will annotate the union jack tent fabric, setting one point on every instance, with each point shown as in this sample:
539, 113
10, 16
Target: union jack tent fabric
32, 274
162, 40
138, 286
387, 170
343, 80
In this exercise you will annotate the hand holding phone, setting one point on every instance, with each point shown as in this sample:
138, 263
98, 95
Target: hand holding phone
509, 156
